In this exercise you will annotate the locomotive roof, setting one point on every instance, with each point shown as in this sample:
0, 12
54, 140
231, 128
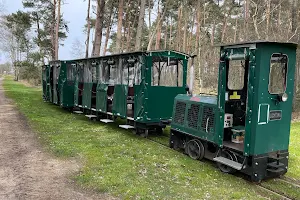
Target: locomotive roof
291, 44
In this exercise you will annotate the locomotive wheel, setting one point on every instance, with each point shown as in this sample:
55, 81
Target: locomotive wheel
225, 168
195, 149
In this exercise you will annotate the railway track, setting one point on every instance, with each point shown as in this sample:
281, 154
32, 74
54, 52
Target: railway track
279, 194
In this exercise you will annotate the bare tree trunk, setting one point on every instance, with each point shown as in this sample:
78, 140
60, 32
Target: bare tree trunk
98, 28
268, 18
246, 17
198, 28
212, 39
179, 28
294, 20
158, 35
170, 36
119, 28
156, 28
53, 30
88, 30
191, 35
108, 29
57, 30
235, 31
224, 28
185, 32
140, 26
166, 37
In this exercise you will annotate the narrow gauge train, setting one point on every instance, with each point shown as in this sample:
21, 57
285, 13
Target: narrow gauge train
244, 128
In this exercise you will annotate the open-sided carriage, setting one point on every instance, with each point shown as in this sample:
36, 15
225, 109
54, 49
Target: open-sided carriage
138, 86
58, 83
246, 127
46, 82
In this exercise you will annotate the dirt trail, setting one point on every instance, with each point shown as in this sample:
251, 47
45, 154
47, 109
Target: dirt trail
26, 172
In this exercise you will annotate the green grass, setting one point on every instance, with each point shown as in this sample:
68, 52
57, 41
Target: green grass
125, 165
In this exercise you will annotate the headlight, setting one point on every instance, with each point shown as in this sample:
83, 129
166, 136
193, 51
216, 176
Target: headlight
284, 97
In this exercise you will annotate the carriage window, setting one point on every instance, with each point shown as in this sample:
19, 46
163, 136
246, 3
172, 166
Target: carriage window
104, 72
70, 75
278, 70
167, 72
114, 72
94, 73
138, 71
44, 74
236, 72
87, 73
80, 72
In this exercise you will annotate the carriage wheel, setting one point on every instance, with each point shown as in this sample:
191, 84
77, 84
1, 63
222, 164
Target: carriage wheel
195, 149
159, 130
225, 168
144, 133
174, 141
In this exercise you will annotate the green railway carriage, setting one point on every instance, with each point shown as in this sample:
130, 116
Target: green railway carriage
137, 86
58, 83
46, 82
246, 127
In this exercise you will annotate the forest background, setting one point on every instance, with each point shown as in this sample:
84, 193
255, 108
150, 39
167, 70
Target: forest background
32, 36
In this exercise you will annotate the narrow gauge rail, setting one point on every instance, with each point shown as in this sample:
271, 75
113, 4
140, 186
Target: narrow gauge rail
245, 127
274, 192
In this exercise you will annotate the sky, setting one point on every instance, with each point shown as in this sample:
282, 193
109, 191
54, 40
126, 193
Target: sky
74, 12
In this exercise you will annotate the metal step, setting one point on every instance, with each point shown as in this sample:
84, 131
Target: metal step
106, 120
93, 109
91, 116
130, 118
276, 170
275, 165
126, 126
80, 106
78, 112
230, 163
277, 158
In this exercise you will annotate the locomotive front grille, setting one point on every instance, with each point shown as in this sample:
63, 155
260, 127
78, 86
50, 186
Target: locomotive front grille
193, 116
179, 112
208, 120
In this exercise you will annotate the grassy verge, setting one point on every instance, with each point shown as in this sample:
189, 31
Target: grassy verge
118, 162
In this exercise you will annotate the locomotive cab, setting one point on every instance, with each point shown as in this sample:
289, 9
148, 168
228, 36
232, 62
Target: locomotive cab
246, 127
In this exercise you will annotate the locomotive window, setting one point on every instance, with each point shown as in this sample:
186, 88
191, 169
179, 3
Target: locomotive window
236, 72
70, 75
167, 72
278, 70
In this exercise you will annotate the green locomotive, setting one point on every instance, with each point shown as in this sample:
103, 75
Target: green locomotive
246, 127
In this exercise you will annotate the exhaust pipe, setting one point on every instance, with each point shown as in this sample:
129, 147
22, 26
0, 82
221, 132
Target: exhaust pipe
192, 76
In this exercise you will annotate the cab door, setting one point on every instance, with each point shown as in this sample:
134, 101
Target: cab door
275, 95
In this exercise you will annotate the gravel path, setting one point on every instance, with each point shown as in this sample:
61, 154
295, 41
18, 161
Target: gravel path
26, 171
